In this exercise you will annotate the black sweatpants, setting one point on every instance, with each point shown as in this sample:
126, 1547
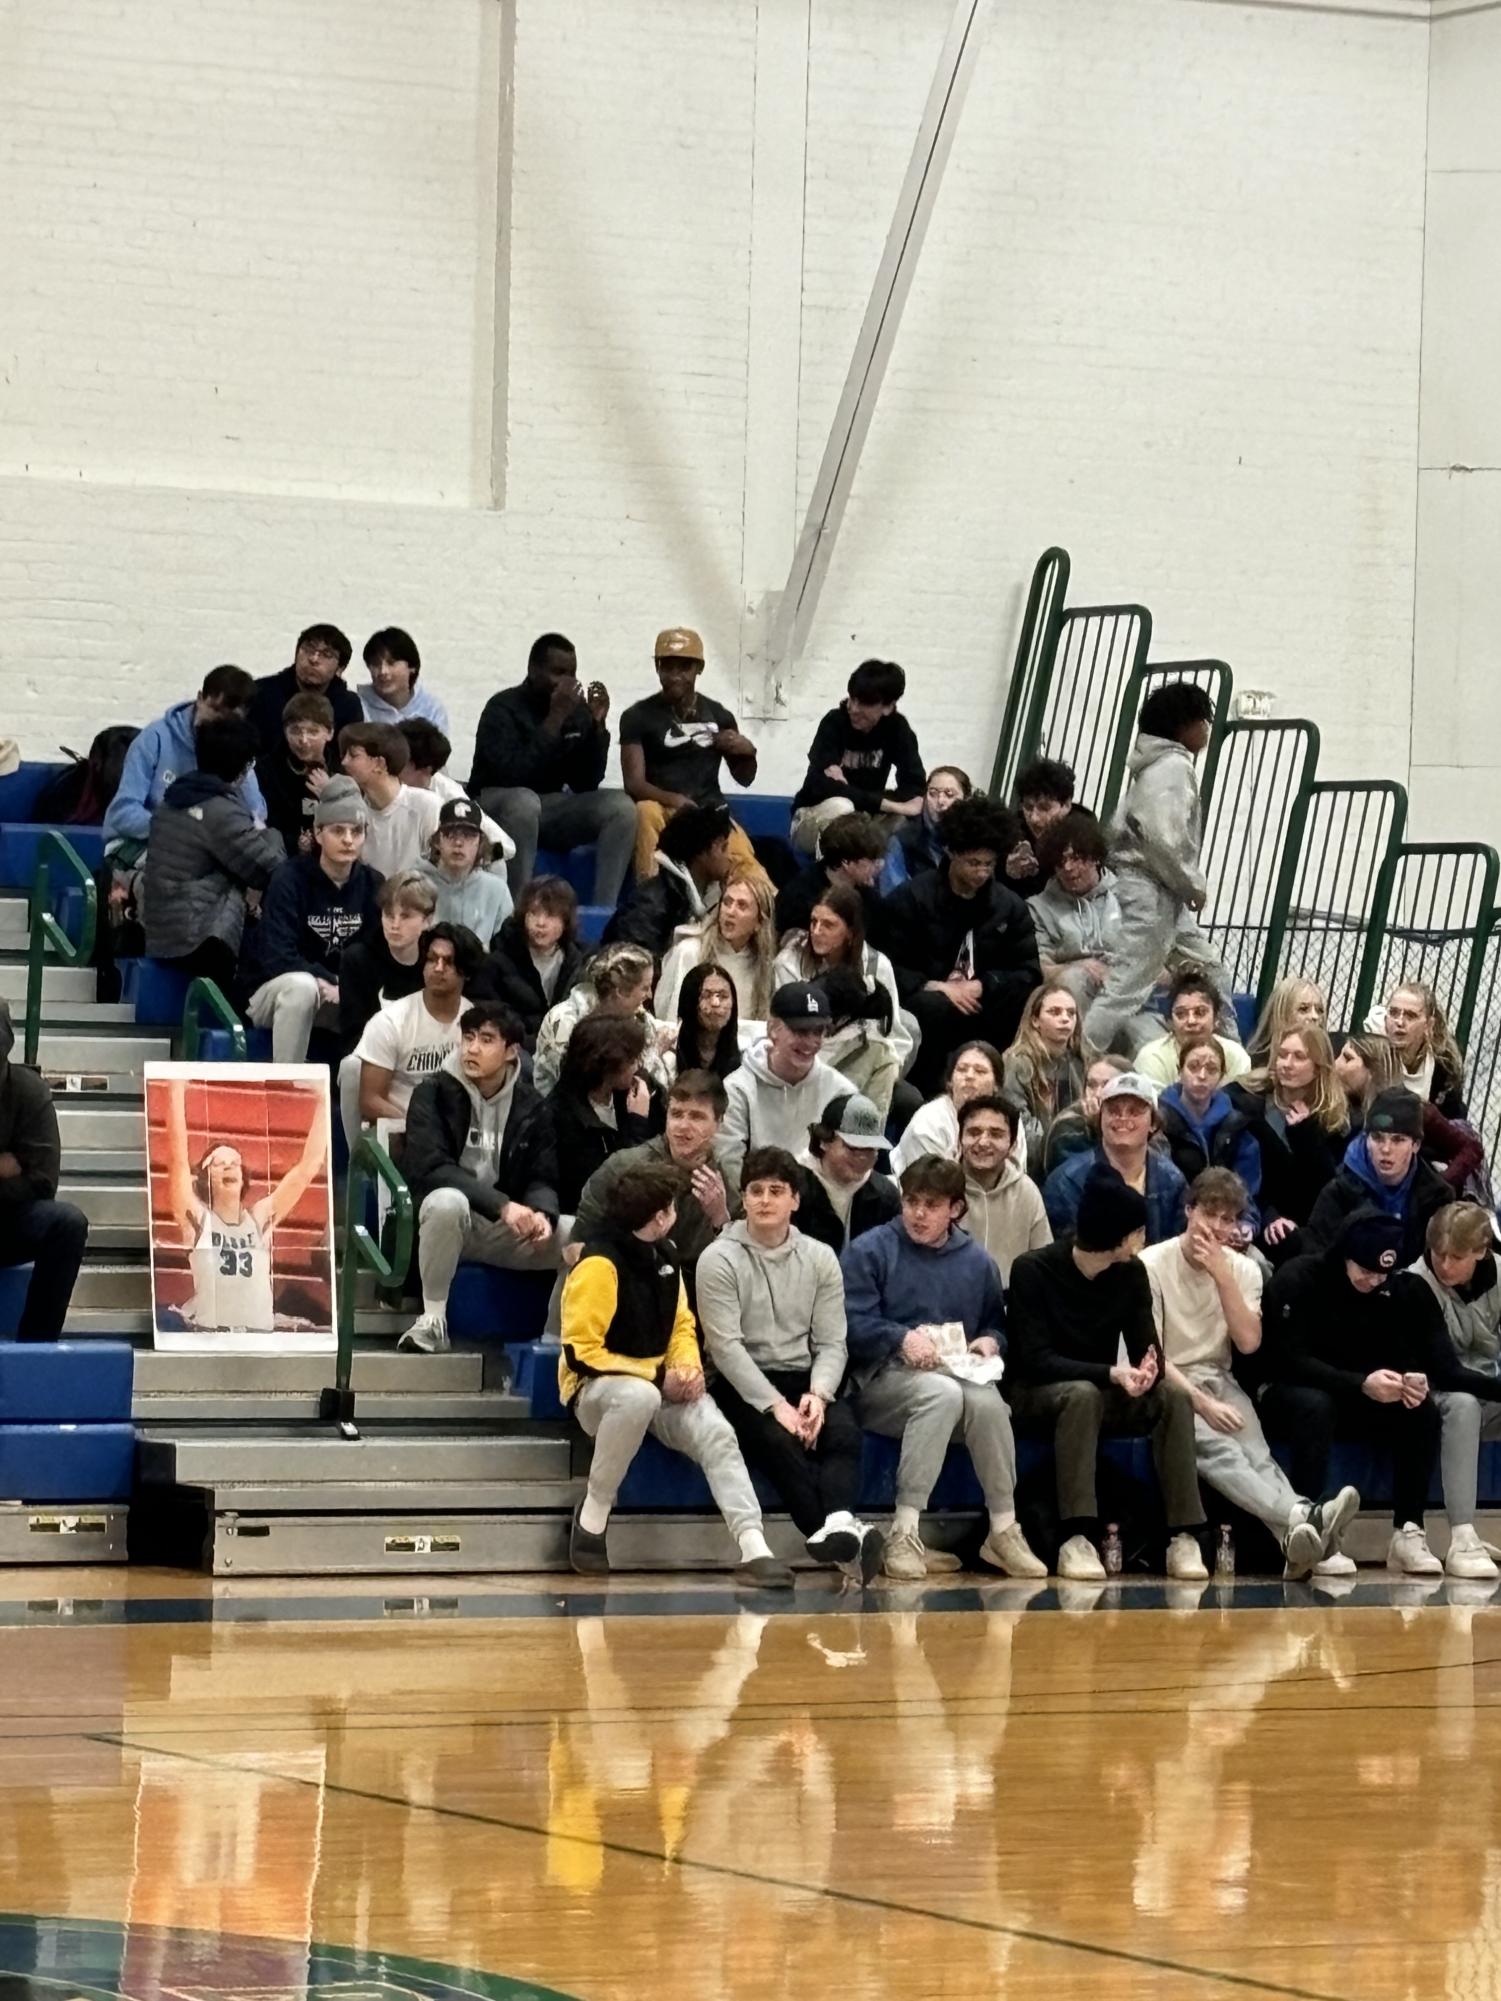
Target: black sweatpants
1309, 1420
814, 1484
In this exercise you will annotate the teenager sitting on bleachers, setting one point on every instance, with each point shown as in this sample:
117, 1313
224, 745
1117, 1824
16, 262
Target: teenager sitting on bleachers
974, 1070
536, 960
1077, 917
1299, 1121
1432, 1066
1043, 1070
35, 1228
631, 1364
318, 662
835, 937
771, 1307
382, 965
314, 906
482, 1167
393, 695
205, 853
458, 861
401, 819
409, 1039
1005, 1213
852, 851
1154, 850
1128, 1124
738, 936
1367, 1065
166, 750
861, 1046
1206, 1303
1202, 1126
539, 763
616, 981
1355, 1349
1458, 1266
693, 859
1382, 1169
783, 1083
708, 1026
1073, 1304
906, 1283
602, 1103
921, 838
691, 1142
1077, 1128
843, 1195
292, 776
962, 945
672, 745
1044, 794
864, 758
427, 770
1293, 1003
1194, 1005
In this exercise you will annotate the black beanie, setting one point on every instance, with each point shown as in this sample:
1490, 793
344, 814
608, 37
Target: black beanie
1109, 1212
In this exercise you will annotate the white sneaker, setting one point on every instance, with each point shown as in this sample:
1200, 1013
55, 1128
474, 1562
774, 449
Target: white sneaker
1332, 1517
1409, 1553
1467, 1557
1009, 1552
1185, 1560
1079, 1561
1335, 1564
1302, 1549
837, 1541
904, 1558
428, 1335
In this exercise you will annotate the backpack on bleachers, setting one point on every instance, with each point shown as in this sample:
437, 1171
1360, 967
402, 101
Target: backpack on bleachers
81, 795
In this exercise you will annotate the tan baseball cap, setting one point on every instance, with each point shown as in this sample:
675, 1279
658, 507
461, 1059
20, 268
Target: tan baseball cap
678, 642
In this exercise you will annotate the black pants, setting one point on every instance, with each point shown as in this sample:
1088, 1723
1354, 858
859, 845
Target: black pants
50, 1236
212, 960
814, 1484
945, 1028
1309, 1420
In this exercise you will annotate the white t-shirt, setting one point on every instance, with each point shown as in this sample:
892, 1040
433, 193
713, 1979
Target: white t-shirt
396, 837
402, 1037
1186, 1304
547, 966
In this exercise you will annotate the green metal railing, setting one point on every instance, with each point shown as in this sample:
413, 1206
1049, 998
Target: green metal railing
1439, 911
1213, 676
204, 997
1483, 1050
1032, 672
368, 1164
48, 938
1351, 834
1253, 836
1100, 649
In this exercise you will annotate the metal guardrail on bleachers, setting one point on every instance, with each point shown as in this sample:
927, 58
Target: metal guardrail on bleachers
1351, 832
1100, 649
1032, 673
1437, 915
206, 997
48, 938
360, 1252
1253, 833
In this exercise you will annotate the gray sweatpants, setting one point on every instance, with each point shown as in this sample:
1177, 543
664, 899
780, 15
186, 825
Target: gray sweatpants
289, 1006
927, 1411
1155, 928
1239, 1464
448, 1230
618, 1411
1466, 1422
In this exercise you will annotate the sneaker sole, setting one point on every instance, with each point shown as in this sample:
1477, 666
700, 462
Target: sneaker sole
872, 1552
1300, 1557
1337, 1524
839, 1546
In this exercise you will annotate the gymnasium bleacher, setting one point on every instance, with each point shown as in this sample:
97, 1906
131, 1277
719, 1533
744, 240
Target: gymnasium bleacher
394, 1462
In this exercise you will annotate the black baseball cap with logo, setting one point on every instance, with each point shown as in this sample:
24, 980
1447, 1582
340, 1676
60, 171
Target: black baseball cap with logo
802, 1004
461, 813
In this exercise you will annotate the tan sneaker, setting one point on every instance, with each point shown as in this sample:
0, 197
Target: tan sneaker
1079, 1561
1185, 1560
905, 1558
1008, 1551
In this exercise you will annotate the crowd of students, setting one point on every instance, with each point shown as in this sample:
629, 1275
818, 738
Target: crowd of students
1104, 1215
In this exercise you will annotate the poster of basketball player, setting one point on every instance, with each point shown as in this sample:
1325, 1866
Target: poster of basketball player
241, 1193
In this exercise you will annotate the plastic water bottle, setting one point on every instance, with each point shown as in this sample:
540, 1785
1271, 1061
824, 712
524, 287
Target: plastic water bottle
1111, 1554
1224, 1556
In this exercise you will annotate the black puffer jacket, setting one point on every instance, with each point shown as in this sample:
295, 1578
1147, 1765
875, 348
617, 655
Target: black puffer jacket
1297, 1161
926, 923
511, 977
205, 851
438, 1128
584, 1142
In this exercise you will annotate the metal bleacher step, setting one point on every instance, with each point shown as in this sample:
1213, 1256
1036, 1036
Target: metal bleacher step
67, 1050
107, 1120
81, 1161
108, 1204
107, 1287
125, 1323
65, 988
15, 923
281, 1390
282, 1457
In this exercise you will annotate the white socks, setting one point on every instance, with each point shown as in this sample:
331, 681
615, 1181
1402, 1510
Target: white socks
904, 1521
436, 1309
594, 1516
752, 1545
1000, 1523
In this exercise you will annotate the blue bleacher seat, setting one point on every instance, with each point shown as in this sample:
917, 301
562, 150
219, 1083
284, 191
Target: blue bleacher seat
593, 917
20, 850
216, 1045
20, 789
157, 992
487, 1304
65, 1462
576, 867
763, 813
14, 1279
66, 1382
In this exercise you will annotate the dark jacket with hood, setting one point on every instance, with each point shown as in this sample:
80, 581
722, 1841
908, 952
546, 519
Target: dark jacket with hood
584, 1142
307, 919
205, 851
926, 924
512, 977
656, 907
274, 691
1356, 1186
1321, 1333
513, 748
1220, 1139
449, 1119
1297, 1161
28, 1129
876, 1201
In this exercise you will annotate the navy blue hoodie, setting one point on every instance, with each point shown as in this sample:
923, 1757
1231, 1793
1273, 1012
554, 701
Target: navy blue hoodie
892, 1285
307, 919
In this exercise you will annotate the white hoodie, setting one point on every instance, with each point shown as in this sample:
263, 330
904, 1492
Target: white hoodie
764, 1111
1007, 1219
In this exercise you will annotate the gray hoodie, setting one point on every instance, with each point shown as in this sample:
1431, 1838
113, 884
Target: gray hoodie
1007, 1219
1156, 832
488, 1118
1077, 927
777, 1309
1471, 1324
764, 1111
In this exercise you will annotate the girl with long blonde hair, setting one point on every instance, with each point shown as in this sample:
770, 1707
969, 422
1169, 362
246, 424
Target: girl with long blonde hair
739, 936
1293, 1003
1044, 1069
1415, 1025
1300, 1119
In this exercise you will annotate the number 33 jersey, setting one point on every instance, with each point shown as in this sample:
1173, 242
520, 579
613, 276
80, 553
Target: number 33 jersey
231, 1266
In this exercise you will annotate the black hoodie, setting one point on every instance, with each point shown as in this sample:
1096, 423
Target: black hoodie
28, 1128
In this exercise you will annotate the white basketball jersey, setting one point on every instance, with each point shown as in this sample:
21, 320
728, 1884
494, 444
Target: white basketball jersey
231, 1266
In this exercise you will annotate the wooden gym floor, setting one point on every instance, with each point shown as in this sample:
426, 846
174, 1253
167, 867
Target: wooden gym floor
532, 1788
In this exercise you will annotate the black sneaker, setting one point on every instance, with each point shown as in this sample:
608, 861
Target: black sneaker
589, 1554
768, 1571
872, 1550
834, 1543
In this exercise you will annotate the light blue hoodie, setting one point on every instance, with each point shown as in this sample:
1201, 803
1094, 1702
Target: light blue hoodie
163, 751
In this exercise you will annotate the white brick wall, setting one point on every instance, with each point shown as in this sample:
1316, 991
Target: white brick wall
1168, 314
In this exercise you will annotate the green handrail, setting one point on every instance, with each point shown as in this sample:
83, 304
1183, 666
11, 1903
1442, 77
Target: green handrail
205, 995
360, 1250
47, 935
1032, 670
1454, 921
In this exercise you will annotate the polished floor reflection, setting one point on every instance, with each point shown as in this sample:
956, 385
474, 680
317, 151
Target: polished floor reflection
900, 1801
